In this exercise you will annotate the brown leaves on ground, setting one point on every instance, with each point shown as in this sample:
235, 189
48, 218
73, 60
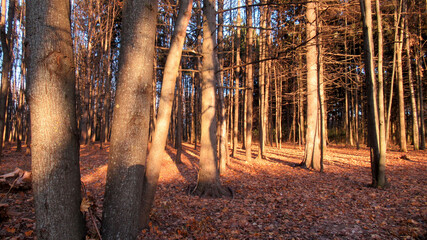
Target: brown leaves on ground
273, 199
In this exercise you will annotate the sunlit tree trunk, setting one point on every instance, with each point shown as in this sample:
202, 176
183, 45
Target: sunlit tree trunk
129, 137
237, 85
155, 155
208, 182
55, 149
397, 14
402, 121
223, 143
313, 155
375, 135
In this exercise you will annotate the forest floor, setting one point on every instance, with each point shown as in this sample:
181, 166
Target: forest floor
273, 199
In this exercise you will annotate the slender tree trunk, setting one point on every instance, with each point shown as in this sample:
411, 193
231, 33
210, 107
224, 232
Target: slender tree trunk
129, 137
402, 121
223, 144
237, 85
415, 128
420, 76
179, 122
155, 155
7, 47
262, 80
250, 82
397, 15
376, 140
55, 152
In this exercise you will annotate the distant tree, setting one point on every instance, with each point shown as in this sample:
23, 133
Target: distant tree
55, 148
129, 137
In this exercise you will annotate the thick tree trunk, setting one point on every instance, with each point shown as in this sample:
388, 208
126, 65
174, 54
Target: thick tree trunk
160, 134
313, 155
208, 182
51, 94
129, 137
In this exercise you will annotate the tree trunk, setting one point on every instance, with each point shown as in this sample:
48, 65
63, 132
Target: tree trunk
376, 140
7, 48
420, 75
160, 134
397, 14
250, 82
208, 182
223, 144
237, 85
179, 122
129, 137
55, 152
313, 155
402, 121
415, 128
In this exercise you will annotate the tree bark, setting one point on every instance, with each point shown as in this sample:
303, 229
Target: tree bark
420, 75
376, 141
208, 182
250, 83
51, 94
160, 134
237, 85
223, 143
415, 128
402, 121
7, 48
313, 155
129, 137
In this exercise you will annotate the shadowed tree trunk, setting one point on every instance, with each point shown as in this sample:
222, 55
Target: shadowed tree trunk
129, 136
420, 76
155, 155
415, 130
7, 47
208, 182
51, 94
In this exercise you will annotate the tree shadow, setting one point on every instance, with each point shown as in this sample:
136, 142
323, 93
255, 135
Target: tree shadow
182, 167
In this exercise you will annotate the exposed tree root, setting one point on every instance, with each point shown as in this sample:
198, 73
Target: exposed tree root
210, 191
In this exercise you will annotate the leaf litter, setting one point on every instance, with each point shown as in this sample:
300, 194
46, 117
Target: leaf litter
273, 198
